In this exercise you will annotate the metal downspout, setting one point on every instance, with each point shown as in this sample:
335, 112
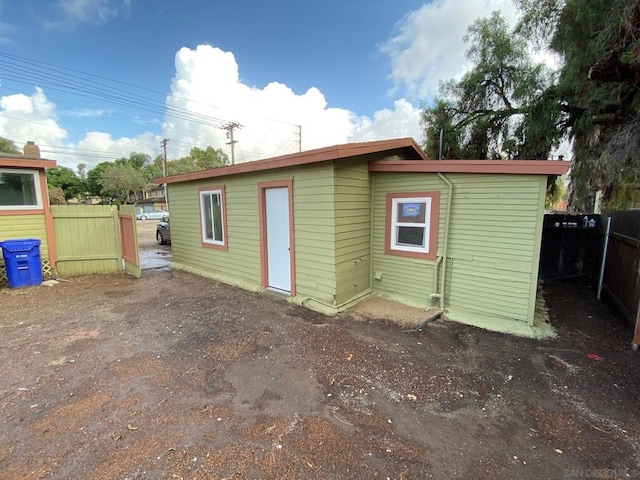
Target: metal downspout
445, 247
443, 258
436, 270
372, 199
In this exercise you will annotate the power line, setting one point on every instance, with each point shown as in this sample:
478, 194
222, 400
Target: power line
100, 91
27, 71
60, 73
81, 152
169, 113
63, 69
61, 78
87, 155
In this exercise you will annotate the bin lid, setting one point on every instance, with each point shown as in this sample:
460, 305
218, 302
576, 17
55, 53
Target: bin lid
20, 245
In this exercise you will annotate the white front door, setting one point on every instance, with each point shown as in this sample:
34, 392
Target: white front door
278, 247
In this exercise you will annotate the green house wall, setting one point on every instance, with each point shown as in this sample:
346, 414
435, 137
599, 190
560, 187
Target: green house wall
339, 211
314, 230
493, 251
352, 231
25, 226
404, 279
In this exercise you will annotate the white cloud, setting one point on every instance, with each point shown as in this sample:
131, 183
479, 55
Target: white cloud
100, 143
24, 118
87, 112
207, 83
90, 12
207, 88
403, 121
428, 45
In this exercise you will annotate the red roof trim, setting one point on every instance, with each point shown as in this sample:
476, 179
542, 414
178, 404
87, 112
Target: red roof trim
515, 167
336, 152
12, 162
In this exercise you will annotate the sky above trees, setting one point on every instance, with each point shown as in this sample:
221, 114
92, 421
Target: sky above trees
343, 71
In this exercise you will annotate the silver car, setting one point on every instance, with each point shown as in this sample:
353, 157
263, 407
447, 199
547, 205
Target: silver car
151, 215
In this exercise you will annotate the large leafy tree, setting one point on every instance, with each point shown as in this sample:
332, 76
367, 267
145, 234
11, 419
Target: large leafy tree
136, 160
155, 168
66, 180
601, 82
8, 146
598, 88
56, 196
504, 107
120, 181
198, 159
94, 187
115, 181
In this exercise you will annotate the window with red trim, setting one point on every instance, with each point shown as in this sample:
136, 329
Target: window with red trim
412, 224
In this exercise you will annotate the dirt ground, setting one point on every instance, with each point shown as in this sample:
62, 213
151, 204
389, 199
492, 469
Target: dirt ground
179, 377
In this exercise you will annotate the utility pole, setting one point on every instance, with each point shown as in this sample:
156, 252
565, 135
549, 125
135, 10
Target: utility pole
229, 127
163, 144
299, 134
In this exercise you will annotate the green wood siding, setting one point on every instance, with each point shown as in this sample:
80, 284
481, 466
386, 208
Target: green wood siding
14, 227
314, 232
87, 239
25, 226
494, 243
240, 263
407, 280
353, 230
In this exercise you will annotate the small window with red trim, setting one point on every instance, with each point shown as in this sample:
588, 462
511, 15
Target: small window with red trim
412, 222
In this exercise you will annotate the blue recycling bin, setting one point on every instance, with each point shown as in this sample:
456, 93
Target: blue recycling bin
22, 262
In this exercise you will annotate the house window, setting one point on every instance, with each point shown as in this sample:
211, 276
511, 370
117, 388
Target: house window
19, 190
412, 224
212, 215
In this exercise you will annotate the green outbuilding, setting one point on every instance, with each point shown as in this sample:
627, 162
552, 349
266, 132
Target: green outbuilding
332, 226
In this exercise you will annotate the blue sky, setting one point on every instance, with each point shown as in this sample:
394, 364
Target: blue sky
344, 70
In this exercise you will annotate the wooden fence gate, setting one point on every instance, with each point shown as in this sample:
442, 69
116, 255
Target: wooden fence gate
93, 239
621, 275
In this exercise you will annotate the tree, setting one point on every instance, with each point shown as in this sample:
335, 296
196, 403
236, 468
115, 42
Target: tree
599, 82
65, 179
598, 88
154, 169
82, 171
8, 146
503, 107
136, 160
56, 196
94, 187
209, 157
120, 181
556, 191
439, 124
198, 159
115, 181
